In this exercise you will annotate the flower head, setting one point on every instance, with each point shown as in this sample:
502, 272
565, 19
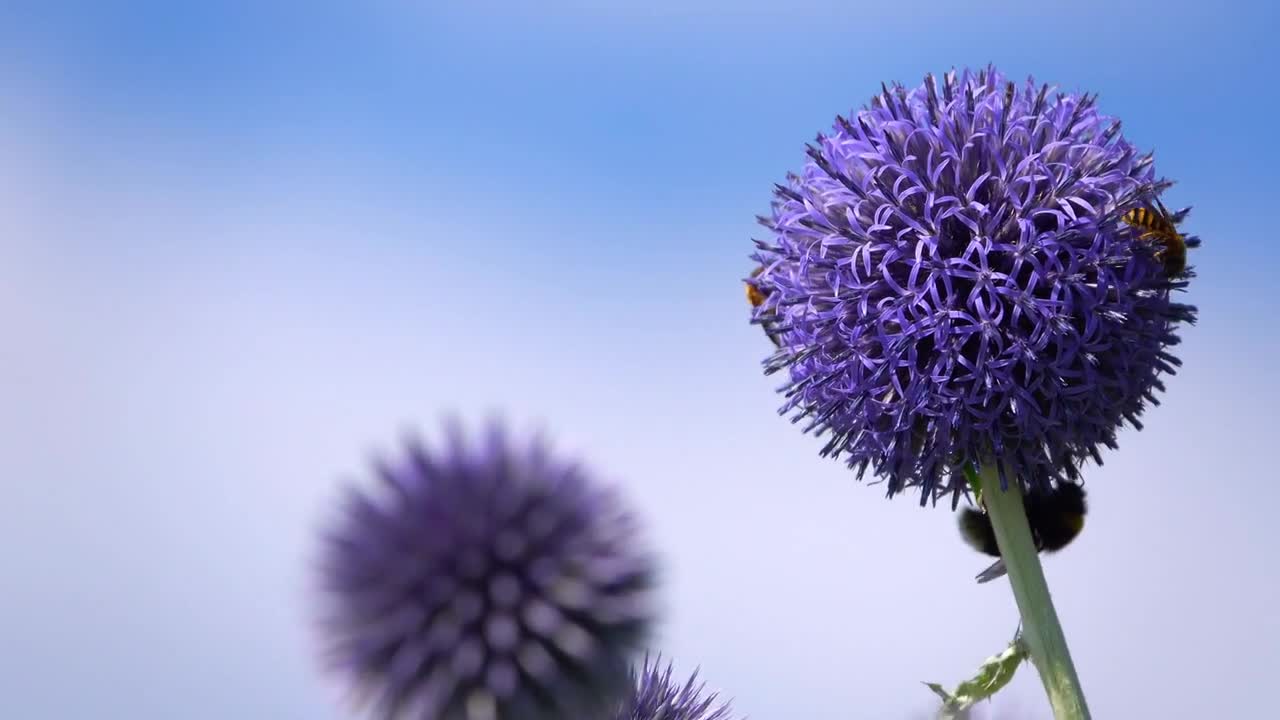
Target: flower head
490, 580
655, 696
952, 281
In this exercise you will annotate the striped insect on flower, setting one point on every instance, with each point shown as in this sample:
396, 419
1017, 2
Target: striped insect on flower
756, 298
1160, 227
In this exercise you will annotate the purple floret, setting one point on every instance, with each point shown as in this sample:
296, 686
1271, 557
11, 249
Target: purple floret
490, 581
953, 283
655, 696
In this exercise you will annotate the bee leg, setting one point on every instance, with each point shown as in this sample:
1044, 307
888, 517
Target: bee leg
996, 570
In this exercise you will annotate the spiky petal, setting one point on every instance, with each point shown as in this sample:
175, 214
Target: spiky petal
656, 696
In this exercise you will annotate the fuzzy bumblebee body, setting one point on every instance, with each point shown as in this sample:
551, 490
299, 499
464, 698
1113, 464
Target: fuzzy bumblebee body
1158, 226
1056, 517
756, 297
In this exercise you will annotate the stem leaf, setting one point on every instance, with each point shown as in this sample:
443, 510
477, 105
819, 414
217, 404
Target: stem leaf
994, 673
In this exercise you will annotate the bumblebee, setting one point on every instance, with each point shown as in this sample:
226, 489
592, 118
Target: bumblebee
1056, 517
756, 297
1157, 225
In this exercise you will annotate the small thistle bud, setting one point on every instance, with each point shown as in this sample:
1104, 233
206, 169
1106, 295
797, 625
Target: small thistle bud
655, 696
484, 582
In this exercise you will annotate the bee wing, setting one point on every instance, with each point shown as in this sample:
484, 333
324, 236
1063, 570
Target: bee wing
769, 323
996, 570
773, 336
1163, 210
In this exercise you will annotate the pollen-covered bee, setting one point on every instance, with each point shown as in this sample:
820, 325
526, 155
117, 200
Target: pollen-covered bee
1157, 225
756, 297
1056, 517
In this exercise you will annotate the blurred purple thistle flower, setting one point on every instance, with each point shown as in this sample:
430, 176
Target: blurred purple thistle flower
487, 581
655, 696
951, 282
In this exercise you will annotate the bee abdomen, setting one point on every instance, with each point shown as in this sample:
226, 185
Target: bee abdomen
1157, 226
976, 529
1149, 220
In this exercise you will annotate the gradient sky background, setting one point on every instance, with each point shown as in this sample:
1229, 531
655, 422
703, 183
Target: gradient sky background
243, 247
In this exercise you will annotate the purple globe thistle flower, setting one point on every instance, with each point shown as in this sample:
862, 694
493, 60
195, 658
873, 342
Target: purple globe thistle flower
655, 696
489, 581
952, 281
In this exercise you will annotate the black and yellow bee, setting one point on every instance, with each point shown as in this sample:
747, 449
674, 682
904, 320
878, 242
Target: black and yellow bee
1158, 226
756, 297
1056, 517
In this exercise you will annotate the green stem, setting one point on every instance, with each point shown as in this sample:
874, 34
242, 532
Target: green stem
1041, 629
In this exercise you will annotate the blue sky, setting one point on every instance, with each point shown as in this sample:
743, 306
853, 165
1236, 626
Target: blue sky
242, 246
